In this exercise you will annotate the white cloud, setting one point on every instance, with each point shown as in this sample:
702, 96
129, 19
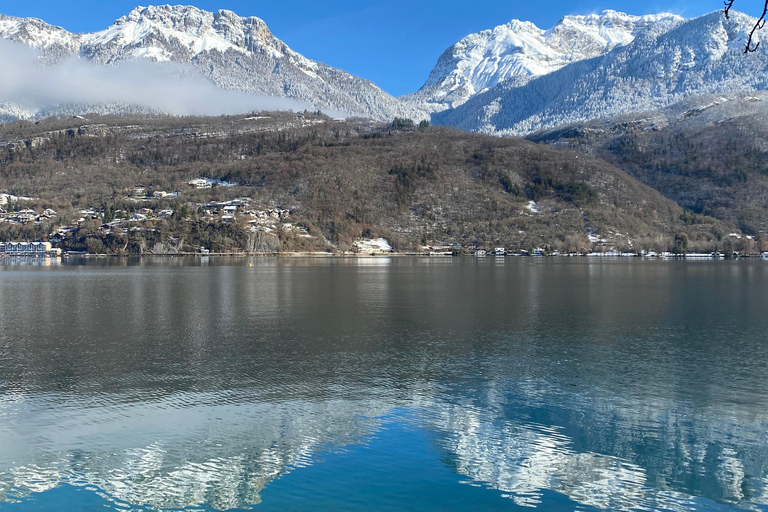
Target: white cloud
165, 87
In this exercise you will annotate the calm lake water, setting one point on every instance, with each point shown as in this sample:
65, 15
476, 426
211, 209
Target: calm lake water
384, 384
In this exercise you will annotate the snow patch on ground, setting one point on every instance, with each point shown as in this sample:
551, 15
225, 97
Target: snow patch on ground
372, 246
594, 237
9, 198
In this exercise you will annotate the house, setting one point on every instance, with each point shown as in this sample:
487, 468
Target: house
139, 191
200, 183
138, 217
57, 238
25, 216
27, 249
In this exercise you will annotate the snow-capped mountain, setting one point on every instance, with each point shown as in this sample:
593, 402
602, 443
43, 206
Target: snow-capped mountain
669, 61
55, 41
514, 79
235, 53
519, 51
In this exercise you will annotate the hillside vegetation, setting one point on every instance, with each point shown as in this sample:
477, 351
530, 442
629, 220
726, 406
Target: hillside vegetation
340, 181
710, 154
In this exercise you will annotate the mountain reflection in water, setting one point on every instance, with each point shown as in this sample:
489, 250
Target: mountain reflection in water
173, 384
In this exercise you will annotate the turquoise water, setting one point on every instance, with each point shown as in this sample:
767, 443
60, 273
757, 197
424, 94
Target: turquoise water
384, 384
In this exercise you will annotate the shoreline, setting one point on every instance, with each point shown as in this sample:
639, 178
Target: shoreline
301, 254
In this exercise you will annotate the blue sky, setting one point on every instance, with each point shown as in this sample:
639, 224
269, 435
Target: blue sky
394, 43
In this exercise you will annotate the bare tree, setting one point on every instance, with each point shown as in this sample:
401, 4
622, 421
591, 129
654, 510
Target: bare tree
757, 26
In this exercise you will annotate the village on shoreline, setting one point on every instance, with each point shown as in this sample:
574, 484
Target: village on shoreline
152, 221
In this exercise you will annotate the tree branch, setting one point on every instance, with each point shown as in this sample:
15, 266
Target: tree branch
727, 10
758, 25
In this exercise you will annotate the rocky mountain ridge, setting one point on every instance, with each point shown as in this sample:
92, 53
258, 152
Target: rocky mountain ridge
665, 64
519, 51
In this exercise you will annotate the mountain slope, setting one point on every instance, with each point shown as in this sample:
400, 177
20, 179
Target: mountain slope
667, 63
519, 51
708, 154
347, 180
233, 52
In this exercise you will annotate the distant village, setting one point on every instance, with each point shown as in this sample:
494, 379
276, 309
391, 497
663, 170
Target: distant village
241, 211
139, 219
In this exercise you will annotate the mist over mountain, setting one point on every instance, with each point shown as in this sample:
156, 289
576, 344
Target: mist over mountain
233, 53
29, 88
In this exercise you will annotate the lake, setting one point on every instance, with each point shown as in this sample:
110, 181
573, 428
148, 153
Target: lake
383, 384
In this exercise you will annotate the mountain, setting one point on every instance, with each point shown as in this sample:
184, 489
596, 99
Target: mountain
709, 153
233, 52
54, 41
667, 62
519, 51
512, 80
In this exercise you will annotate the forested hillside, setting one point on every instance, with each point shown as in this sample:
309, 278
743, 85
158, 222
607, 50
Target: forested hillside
708, 154
333, 182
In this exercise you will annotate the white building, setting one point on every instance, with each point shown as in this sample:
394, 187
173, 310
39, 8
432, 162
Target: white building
28, 249
200, 183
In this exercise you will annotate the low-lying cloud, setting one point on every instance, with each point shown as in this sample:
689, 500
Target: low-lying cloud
165, 87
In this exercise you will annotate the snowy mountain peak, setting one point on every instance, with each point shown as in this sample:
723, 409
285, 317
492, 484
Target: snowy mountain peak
234, 53
661, 66
519, 50
190, 20
181, 32
38, 34
598, 33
